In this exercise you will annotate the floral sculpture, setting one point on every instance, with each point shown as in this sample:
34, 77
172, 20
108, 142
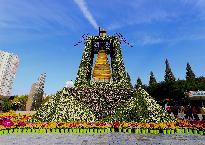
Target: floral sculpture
89, 100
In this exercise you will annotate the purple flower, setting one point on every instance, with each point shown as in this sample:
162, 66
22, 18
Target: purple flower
1, 120
116, 124
151, 125
44, 124
21, 124
7, 123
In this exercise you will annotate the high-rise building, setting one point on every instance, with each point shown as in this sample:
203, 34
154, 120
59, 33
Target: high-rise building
8, 66
35, 97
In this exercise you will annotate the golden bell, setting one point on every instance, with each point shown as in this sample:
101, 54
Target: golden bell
101, 71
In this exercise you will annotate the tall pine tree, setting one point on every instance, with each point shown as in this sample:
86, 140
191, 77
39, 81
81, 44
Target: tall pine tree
189, 73
169, 77
139, 83
152, 80
129, 79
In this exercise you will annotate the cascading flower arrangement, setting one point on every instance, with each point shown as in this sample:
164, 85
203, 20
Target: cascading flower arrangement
22, 122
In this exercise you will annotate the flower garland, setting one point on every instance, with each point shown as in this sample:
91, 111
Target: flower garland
119, 75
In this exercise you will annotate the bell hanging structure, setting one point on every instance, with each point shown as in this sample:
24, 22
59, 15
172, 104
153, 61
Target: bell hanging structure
101, 71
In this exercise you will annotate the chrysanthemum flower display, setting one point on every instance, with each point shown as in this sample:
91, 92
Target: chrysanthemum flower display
63, 107
142, 108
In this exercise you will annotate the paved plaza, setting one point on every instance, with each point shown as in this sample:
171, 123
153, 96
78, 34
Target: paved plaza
102, 139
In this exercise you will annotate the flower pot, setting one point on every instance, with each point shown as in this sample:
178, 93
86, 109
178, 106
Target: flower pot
151, 131
5, 131
70, 130
129, 130
19, 130
164, 131
1, 132
172, 131
195, 132
186, 130
84, 130
24, 130
108, 129
178, 130
137, 131
29, 130
190, 131
119, 129
95, 130
201, 132
74, 130
91, 130
146, 130
15, 131
37, 130
57, 130
182, 130
81, 130
40, 130
102, 130
33, 130
10, 131
48, 131
168, 131
143, 131
112, 130
62, 131
99, 130
140, 130
66, 130
77, 130
124, 130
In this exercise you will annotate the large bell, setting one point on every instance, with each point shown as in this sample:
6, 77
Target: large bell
101, 71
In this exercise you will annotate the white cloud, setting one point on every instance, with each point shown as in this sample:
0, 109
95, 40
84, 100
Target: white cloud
36, 16
151, 40
83, 7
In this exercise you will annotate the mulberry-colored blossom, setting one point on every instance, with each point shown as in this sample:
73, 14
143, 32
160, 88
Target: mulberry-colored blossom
7, 123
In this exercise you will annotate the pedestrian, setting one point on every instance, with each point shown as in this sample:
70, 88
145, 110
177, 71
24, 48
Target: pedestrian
176, 110
195, 112
188, 112
202, 110
169, 110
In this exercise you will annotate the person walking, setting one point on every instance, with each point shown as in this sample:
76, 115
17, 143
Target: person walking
176, 110
202, 110
195, 112
188, 112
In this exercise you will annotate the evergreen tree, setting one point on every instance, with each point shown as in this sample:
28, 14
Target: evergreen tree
129, 80
169, 77
152, 79
139, 83
189, 73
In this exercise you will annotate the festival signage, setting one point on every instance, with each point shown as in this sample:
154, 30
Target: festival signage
196, 94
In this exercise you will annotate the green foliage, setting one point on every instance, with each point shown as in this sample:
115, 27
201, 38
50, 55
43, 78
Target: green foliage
176, 90
152, 80
6, 105
46, 99
63, 107
100, 104
142, 108
169, 77
189, 73
139, 83
119, 75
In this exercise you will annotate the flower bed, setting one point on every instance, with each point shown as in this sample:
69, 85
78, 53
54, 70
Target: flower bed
16, 123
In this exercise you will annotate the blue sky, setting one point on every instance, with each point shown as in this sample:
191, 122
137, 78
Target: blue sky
43, 33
